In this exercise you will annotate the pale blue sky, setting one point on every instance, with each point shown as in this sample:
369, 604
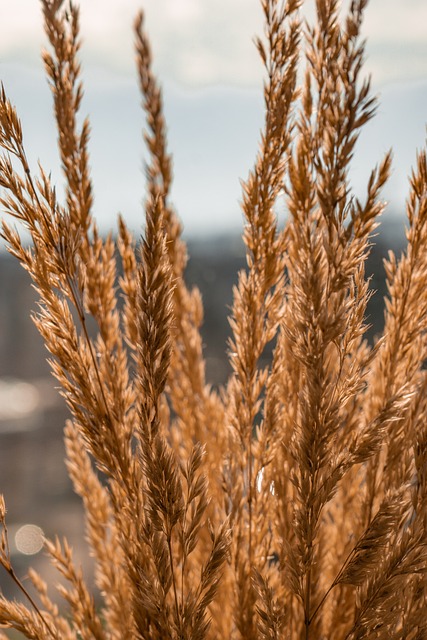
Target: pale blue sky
212, 79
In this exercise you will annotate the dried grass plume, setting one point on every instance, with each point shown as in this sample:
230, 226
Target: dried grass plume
290, 504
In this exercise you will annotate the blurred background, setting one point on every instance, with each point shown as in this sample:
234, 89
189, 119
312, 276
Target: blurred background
212, 80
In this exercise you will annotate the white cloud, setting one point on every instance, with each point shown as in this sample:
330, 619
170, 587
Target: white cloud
200, 42
213, 129
396, 35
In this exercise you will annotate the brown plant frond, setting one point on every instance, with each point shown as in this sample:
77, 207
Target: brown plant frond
86, 621
14, 615
63, 626
198, 410
271, 616
258, 295
63, 70
328, 292
103, 536
397, 369
293, 502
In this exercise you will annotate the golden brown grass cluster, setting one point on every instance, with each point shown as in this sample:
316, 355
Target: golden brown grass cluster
291, 504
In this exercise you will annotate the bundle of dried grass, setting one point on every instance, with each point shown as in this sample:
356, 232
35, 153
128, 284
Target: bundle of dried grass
293, 503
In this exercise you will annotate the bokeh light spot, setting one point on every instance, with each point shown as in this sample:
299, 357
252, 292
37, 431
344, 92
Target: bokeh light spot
29, 539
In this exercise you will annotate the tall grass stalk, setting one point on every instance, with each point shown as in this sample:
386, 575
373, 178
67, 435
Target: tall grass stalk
291, 503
